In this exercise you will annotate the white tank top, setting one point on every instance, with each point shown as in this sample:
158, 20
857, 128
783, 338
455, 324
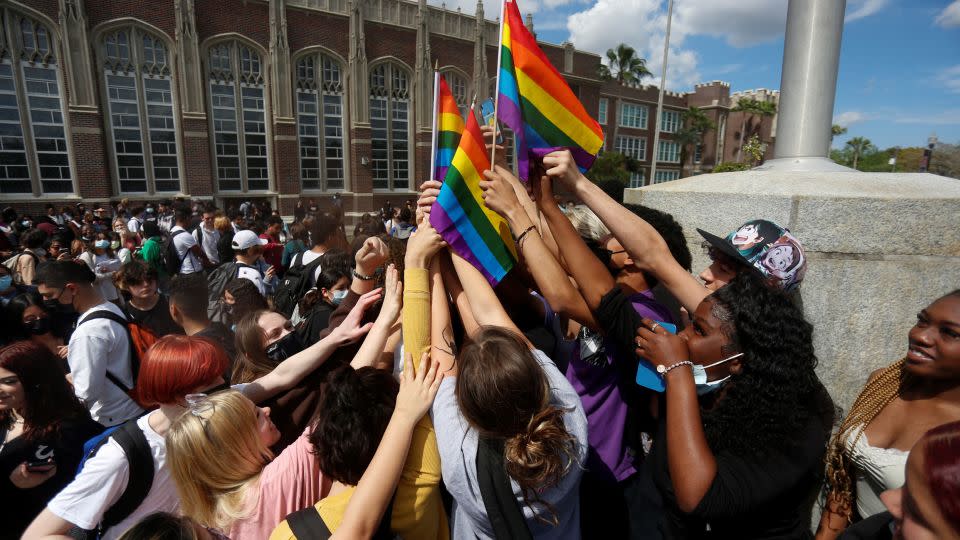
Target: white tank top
876, 470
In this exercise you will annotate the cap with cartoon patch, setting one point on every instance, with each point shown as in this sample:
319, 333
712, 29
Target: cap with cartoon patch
768, 248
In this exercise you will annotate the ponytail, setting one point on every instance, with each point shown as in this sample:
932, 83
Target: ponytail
540, 457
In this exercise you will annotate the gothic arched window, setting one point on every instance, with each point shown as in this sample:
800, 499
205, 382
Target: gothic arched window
319, 90
390, 126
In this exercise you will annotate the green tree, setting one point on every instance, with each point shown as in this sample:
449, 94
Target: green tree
730, 166
612, 166
837, 129
695, 124
751, 109
624, 66
859, 146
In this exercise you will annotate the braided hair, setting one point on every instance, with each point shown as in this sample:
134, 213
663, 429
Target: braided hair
877, 394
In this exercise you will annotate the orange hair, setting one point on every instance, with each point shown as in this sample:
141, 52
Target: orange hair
179, 365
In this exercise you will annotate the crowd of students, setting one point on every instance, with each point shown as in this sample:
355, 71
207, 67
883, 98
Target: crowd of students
182, 372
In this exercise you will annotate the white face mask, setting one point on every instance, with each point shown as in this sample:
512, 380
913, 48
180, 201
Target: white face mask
700, 376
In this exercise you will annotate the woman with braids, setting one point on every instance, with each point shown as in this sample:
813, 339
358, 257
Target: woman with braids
744, 419
897, 406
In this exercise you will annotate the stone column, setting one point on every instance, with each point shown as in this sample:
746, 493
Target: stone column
423, 70
481, 79
280, 61
189, 76
358, 98
76, 46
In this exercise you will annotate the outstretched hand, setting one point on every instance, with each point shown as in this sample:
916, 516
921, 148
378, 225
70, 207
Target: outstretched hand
392, 297
498, 192
429, 191
371, 255
423, 245
561, 166
350, 330
489, 136
417, 391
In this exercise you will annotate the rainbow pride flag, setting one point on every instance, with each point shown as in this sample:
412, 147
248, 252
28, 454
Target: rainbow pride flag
475, 232
535, 101
449, 127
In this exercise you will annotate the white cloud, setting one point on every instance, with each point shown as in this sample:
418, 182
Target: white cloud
949, 117
949, 78
848, 118
858, 9
741, 23
950, 16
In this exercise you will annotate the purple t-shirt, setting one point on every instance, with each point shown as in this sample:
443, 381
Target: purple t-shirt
603, 401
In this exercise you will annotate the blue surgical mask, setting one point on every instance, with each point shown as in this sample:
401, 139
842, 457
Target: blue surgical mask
700, 376
6, 282
338, 296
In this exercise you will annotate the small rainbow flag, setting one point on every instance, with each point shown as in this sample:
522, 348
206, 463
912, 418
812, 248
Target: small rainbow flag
475, 232
535, 101
449, 127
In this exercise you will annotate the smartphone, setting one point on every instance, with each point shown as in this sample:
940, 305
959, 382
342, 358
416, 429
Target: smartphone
41, 465
488, 111
647, 375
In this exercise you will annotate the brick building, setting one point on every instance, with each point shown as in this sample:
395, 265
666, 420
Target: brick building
281, 100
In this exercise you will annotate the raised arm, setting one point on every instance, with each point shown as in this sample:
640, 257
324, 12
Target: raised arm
373, 345
453, 287
500, 195
486, 308
368, 503
591, 275
421, 248
292, 370
442, 344
644, 244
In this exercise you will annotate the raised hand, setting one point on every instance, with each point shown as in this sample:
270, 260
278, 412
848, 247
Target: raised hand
561, 166
392, 296
417, 391
350, 330
429, 191
371, 255
422, 246
489, 136
498, 193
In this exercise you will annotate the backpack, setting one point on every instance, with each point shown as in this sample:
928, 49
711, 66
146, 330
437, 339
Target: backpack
307, 524
172, 261
503, 510
13, 262
216, 283
140, 479
296, 282
140, 338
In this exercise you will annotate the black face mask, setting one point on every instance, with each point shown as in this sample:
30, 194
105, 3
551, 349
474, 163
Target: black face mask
39, 326
285, 347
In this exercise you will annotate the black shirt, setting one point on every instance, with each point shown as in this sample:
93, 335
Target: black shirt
20, 506
157, 319
222, 335
225, 247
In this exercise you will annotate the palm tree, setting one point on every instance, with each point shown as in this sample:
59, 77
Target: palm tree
858, 146
837, 129
751, 107
624, 66
696, 124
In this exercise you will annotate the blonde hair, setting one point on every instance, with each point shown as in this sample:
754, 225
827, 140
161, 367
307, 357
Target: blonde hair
876, 395
215, 455
222, 223
587, 224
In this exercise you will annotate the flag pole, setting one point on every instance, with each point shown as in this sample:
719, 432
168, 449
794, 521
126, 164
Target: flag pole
663, 83
433, 137
496, 97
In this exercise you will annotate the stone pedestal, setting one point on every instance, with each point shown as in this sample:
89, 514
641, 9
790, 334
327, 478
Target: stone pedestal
880, 247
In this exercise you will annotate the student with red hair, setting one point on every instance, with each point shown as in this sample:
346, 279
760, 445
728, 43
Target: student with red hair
172, 368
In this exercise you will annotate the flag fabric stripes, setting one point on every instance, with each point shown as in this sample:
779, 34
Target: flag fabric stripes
475, 232
449, 127
535, 101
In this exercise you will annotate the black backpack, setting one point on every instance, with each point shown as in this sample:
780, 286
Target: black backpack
307, 524
216, 283
140, 479
172, 261
503, 510
296, 282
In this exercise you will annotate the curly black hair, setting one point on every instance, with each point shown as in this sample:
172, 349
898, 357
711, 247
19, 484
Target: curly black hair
669, 229
778, 393
352, 416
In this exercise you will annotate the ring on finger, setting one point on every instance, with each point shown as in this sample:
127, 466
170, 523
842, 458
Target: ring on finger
654, 326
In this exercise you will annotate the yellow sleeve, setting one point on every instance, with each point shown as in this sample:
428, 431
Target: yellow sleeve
416, 313
418, 512
282, 532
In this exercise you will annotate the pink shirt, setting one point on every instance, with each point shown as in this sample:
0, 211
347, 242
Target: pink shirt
289, 483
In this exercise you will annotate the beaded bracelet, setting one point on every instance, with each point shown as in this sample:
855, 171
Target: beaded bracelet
663, 370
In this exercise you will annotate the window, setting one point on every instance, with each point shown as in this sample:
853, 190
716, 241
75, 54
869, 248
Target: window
635, 147
637, 179
33, 140
666, 176
320, 122
669, 152
238, 116
633, 116
670, 121
698, 153
139, 86
459, 89
390, 127
602, 111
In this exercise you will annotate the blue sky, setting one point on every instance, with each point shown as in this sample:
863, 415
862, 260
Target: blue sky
899, 77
